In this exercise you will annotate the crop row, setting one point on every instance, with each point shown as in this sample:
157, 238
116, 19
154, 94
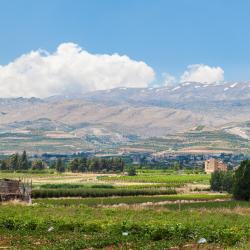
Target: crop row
95, 185
97, 192
173, 179
73, 185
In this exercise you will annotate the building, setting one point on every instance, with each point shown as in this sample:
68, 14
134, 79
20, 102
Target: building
213, 165
15, 189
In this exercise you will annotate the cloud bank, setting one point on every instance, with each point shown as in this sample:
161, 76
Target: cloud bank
69, 70
203, 74
168, 79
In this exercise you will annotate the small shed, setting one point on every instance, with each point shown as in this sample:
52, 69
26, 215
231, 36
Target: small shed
15, 189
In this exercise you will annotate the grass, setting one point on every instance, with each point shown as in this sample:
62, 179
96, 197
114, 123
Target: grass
105, 201
73, 186
41, 178
156, 178
94, 223
23, 227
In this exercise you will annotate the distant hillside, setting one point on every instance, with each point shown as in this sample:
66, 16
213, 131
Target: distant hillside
127, 114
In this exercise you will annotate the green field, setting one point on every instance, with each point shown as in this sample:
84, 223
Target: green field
162, 178
108, 201
81, 227
123, 212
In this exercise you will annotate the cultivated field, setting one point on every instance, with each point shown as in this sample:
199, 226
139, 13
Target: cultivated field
153, 210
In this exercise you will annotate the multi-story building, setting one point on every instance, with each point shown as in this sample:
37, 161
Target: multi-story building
213, 165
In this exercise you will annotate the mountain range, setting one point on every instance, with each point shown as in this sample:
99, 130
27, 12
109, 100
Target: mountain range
124, 114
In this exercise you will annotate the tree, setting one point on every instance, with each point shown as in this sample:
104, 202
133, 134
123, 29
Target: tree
221, 181
94, 165
24, 163
83, 165
215, 181
59, 165
14, 161
74, 165
118, 164
228, 181
241, 190
4, 165
131, 171
52, 165
38, 164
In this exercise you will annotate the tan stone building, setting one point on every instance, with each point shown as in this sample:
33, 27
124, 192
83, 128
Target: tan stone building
213, 165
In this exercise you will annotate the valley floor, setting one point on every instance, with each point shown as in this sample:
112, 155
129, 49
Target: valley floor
114, 215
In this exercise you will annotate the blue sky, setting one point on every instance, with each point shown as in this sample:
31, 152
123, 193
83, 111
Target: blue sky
168, 35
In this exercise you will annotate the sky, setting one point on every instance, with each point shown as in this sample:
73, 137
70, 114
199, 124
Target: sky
53, 47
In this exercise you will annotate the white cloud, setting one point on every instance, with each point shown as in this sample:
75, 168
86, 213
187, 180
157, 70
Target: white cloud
168, 80
203, 73
70, 69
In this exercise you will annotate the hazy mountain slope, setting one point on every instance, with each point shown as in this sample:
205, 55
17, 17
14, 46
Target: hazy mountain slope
143, 112
180, 95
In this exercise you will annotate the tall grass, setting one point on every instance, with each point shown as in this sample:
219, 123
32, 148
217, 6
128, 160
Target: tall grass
138, 199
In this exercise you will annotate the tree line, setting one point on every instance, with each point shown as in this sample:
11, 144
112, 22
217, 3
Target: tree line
236, 182
19, 162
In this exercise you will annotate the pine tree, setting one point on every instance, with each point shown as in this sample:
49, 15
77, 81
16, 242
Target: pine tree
15, 162
59, 165
24, 163
83, 165
74, 165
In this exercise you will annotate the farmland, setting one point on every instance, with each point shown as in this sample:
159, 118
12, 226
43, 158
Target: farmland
161, 178
153, 210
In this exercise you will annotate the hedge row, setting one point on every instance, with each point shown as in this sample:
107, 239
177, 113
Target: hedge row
96, 192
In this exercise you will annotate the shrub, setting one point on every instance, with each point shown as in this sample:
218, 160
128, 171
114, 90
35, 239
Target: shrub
131, 171
241, 189
221, 181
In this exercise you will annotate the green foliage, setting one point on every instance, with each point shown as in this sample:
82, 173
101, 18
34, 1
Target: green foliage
71, 185
73, 165
176, 166
96, 165
96, 201
38, 164
96, 192
60, 167
16, 162
241, 189
24, 163
26, 227
222, 181
175, 179
3, 165
131, 171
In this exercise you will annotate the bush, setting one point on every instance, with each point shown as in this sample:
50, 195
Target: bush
241, 190
131, 171
221, 181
